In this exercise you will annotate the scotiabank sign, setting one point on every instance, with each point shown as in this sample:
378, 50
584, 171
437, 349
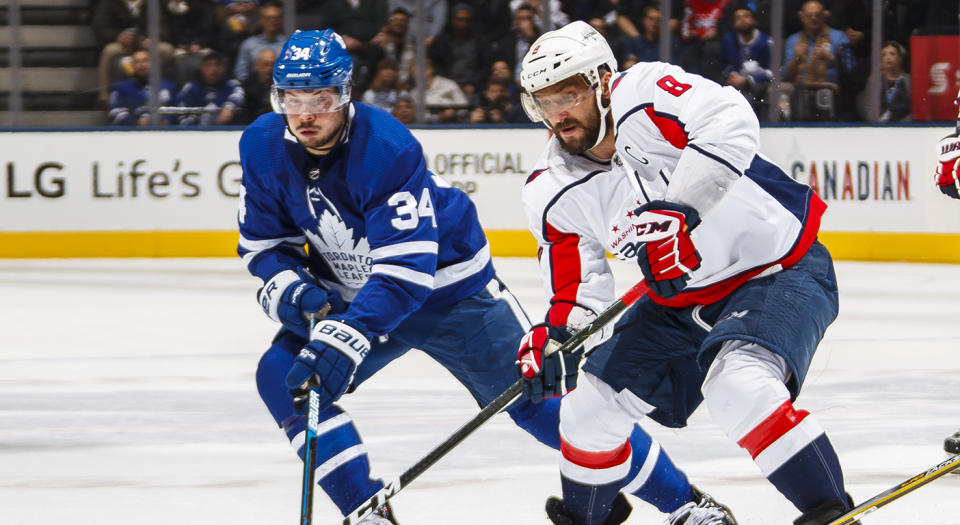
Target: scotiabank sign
933, 75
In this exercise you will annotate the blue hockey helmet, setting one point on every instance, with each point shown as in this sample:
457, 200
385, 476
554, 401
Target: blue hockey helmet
312, 60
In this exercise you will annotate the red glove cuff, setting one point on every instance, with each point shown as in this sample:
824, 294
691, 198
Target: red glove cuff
530, 354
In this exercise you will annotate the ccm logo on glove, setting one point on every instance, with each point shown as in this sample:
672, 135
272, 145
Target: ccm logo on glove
668, 255
649, 230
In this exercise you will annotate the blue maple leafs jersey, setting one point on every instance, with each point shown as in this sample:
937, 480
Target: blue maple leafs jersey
382, 230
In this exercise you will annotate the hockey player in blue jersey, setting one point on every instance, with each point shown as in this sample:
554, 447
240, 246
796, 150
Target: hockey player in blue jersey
397, 255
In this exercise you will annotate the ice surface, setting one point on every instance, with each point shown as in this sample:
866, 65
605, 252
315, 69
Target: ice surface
127, 396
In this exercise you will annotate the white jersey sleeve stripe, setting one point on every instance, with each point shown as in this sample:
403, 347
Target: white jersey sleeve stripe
404, 248
460, 271
254, 248
266, 244
404, 274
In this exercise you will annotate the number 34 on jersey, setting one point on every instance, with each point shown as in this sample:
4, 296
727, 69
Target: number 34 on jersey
410, 210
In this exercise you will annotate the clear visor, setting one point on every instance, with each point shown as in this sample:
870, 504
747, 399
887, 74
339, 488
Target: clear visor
546, 107
310, 102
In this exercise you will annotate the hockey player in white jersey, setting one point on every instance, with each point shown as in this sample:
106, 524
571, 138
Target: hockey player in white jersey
397, 254
660, 166
948, 182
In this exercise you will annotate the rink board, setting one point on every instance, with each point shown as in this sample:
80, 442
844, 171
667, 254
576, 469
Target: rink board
174, 193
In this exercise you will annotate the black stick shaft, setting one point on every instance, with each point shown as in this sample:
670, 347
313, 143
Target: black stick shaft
309, 457
492, 408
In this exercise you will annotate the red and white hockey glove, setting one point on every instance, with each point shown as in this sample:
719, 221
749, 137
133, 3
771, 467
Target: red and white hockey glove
948, 151
546, 372
667, 255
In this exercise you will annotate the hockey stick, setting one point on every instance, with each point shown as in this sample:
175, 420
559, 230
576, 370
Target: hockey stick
508, 395
309, 456
310, 443
898, 491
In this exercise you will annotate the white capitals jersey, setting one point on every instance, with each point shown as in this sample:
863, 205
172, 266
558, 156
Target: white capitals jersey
680, 138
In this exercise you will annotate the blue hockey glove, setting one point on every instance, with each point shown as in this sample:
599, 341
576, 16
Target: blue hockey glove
546, 372
667, 255
293, 298
328, 361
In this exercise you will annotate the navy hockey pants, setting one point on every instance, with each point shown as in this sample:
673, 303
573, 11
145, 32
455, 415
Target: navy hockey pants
662, 354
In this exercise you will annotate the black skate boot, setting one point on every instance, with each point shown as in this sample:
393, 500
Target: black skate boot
381, 516
618, 513
703, 510
952, 444
826, 513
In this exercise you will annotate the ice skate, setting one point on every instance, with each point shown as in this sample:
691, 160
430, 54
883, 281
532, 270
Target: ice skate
382, 516
826, 513
951, 445
618, 513
703, 510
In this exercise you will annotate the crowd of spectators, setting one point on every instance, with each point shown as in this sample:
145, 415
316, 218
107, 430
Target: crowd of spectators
217, 55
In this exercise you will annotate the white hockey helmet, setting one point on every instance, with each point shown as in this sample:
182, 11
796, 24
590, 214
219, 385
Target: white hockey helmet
574, 49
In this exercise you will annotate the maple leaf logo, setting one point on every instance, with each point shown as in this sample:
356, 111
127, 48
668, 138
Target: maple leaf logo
349, 259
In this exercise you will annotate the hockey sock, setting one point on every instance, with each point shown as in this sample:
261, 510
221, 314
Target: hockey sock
343, 469
812, 476
591, 479
588, 504
793, 452
540, 420
653, 477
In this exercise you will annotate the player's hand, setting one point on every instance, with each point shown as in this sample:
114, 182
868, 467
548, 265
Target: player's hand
948, 151
293, 298
667, 255
328, 361
546, 372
